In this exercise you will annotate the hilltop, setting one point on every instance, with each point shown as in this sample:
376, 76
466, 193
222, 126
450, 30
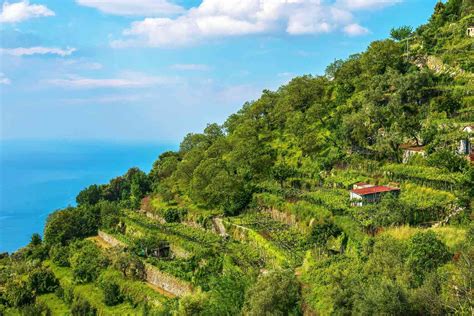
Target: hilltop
345, 193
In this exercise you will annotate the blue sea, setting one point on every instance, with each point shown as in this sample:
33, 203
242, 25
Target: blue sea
38, 177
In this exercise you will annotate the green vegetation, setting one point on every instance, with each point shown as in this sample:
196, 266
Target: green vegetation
254, 216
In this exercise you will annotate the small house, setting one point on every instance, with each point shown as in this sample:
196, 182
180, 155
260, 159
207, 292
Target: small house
410, 151
466, 144
370, 194
470, 31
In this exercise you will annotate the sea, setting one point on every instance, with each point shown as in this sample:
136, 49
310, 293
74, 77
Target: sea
39, 177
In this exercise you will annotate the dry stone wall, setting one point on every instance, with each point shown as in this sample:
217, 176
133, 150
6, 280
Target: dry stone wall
111, 240
167, 282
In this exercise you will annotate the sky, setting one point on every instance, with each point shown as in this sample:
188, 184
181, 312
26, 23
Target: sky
154, 70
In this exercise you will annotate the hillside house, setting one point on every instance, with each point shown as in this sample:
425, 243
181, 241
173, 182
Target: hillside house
410, 151
364, 193
470, 31
466, 144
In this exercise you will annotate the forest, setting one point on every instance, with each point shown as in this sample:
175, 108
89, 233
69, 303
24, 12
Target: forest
254, 216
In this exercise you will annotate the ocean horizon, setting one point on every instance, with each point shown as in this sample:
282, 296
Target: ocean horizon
39, 177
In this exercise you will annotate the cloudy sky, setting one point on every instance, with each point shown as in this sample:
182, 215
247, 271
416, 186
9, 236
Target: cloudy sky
157, 69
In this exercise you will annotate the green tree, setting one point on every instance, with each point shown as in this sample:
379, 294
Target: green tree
65, 225
90, 195
112, 293
42, 281
86, 263
17, 293
276, 293
322, 231
82, 307
35, 239
401, 32
425, 253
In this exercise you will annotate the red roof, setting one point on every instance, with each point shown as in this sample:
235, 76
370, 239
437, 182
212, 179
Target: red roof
374, 189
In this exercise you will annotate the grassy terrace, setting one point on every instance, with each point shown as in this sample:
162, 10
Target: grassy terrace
194, 212
196, 241
452, 236
199, 243
285, 245
57, 306
90, 292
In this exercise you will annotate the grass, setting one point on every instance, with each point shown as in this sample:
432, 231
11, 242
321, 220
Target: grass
452, 236
55, 304
91, 293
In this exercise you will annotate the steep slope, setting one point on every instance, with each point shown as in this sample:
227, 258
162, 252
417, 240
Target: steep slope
255, 216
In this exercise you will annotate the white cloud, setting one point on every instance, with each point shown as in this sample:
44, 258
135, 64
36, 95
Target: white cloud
82, 64
367, 4
191, 67
38, 50
4, 80
133, 7
217, 18
21, 11
127, 80
355, 30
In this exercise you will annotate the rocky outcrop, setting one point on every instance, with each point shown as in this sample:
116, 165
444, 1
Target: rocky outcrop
166, 282
218, 227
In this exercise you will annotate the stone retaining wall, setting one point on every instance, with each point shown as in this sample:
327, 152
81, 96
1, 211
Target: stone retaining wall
111, 240
155, 217
167, 282
283, 217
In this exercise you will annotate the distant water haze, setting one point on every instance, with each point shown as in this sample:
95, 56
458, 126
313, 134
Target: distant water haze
38, 177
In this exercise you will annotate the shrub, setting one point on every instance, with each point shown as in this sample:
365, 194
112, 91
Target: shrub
42, 281
82, 307
37, 309
90, 195
86, 263
276, 293
174, 215
130, 266
59, 255
425, 253
112, 293
71, 223
17, 293
322, 231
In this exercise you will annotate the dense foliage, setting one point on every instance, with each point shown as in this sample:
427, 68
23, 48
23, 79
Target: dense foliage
254, 217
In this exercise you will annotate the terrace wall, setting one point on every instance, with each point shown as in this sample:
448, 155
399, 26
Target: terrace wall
111, 240
166, 282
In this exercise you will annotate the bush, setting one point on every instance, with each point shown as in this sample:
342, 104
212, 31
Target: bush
448, 160
82, 307
66, 293
174, 215
37, 309
130, 266
17, 293
322, 231
112, 293
86, 263
90, 195
425, 253
59, 255
71, 223
276, 293
42, 281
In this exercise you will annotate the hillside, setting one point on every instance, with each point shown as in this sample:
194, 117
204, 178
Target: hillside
346, 193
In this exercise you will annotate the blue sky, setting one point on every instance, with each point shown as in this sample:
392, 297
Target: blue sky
157, 69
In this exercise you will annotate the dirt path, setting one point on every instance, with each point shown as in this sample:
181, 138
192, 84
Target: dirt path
160, 290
